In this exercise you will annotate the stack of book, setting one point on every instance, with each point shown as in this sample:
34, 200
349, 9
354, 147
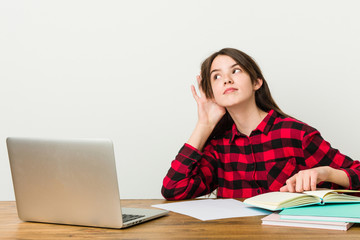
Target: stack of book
326, 209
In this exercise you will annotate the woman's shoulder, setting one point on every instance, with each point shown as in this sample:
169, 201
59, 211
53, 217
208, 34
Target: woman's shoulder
291, 123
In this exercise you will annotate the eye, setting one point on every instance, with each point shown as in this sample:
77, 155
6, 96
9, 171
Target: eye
216, 76
236, 70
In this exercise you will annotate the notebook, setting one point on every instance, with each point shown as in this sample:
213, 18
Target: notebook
349, 212
70, 181
275, 220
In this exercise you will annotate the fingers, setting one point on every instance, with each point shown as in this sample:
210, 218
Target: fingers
193, 91
313, 181
198, 79
290, 184
302, 181
195, 95
307, 180
284, 189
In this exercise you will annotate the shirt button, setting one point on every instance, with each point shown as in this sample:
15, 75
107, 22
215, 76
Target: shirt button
258, 191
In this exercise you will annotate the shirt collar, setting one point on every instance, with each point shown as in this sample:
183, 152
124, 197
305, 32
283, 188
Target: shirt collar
264, 126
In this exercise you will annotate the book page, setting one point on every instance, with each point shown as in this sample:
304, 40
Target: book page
323, 192
319, 193
273, 198
279, 200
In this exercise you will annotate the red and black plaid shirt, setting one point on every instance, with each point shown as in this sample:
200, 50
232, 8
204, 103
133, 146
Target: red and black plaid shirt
243, 166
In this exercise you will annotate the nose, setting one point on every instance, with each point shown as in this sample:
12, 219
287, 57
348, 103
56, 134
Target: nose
228, 80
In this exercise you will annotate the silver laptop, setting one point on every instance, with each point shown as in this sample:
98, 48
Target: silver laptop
70, 181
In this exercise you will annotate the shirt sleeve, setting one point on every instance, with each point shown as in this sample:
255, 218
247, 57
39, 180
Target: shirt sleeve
192, 174
318, 152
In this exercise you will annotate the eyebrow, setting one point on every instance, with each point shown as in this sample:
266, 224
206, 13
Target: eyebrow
215, 70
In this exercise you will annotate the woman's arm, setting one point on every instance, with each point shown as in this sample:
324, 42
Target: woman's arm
325, 164
307, 180
194, 173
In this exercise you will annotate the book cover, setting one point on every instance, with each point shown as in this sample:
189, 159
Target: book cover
275, 220
349, 212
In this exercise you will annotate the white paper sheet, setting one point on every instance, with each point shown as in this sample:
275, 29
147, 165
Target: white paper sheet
211, 209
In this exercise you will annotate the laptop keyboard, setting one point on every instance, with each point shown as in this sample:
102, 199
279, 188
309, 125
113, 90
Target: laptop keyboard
129, 217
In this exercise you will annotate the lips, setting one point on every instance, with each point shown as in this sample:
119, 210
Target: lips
230, 90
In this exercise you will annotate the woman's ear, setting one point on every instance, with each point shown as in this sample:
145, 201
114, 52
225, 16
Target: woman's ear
258, 84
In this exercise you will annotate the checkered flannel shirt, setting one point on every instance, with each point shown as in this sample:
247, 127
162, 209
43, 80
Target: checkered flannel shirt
241, 166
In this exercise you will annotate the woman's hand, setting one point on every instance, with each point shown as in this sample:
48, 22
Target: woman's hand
307, 180
209, 113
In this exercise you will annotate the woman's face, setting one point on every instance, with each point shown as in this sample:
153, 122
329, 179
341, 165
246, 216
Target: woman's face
231, 85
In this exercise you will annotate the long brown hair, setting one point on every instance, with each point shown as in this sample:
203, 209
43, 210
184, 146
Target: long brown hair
263, 98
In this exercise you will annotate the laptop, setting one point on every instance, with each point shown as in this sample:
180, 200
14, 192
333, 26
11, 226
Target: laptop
70, 181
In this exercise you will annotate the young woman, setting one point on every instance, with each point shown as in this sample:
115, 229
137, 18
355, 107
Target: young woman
244, 145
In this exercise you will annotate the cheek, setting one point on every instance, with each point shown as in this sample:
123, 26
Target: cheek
216, 94
216, 88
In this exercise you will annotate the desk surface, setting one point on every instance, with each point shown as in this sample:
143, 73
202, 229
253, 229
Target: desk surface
173, 226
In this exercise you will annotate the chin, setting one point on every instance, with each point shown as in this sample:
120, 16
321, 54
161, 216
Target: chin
229, 105
230, 102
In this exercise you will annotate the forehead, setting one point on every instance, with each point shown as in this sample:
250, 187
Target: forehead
222, 62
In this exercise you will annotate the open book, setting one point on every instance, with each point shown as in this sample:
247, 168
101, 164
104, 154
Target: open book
280, 200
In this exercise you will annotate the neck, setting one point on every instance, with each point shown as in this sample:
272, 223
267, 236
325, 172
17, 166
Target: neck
246, 118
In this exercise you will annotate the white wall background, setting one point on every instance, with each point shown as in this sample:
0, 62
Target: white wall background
123, 70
